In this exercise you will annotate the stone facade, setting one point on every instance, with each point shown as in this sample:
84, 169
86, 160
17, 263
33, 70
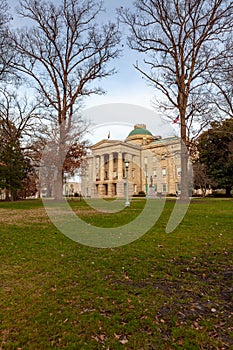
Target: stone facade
154, 166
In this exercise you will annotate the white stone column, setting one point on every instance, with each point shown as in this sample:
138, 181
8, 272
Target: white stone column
94, 169
120, 166
120, 181
102, 168
110, 167
92, 176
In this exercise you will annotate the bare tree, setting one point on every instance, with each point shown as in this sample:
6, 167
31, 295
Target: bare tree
46, 153
222, 79
6, 52
18, 120
18, 116
65, 53
180, 40
201, 179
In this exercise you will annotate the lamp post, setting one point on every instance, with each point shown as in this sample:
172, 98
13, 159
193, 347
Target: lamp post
64, 186
146, 171
127, 203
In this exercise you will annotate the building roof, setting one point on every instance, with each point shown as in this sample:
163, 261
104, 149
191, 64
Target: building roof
140, 135
139, 131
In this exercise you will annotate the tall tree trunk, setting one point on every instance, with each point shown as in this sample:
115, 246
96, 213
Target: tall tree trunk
184, 151
49, 190
61, 155
58, 182
14, 195
58, 187
228, 191
184, 173
7, 194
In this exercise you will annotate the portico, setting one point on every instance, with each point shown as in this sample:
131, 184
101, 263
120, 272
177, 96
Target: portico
107, 174
153, 164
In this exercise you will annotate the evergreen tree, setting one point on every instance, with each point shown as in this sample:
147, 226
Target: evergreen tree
215, 147
14, 167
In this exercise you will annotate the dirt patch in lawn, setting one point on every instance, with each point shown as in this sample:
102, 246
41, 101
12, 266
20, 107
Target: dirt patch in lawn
30, 216
20, 216
200, 297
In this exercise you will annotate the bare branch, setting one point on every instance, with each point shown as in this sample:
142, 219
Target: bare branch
64, 53
182, 40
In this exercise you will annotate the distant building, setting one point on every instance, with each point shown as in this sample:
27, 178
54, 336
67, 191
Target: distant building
71, 188
154, 165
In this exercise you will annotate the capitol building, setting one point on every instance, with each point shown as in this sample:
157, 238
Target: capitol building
147, 163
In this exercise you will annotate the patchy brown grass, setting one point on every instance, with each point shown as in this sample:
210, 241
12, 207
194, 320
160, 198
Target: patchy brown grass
161, 292
22, 217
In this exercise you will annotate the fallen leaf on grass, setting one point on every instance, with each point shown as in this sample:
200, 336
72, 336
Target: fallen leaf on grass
124, 341
100, 338
143, 317
53, 288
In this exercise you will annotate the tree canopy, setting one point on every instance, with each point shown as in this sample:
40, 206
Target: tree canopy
14, 166
215, 148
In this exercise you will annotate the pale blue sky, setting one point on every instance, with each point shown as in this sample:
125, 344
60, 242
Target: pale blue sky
127, 86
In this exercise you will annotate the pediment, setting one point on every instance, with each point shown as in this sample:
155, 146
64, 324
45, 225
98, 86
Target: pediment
113, 144
105, 143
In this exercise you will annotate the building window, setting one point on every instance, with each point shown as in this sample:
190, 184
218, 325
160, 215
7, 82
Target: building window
151, 181
155, 187
154, 173
145, 160
164, 188
178, 171
164, 173
154, 159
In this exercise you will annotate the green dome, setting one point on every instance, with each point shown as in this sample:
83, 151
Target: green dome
140, 131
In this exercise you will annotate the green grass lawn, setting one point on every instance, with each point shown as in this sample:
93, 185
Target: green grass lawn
163, 291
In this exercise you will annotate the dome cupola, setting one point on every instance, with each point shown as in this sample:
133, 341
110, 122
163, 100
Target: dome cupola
140, 134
